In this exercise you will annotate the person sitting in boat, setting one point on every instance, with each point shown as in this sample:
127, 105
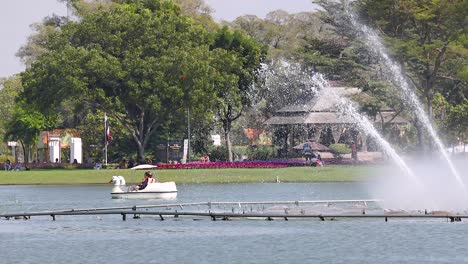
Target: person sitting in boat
148, 179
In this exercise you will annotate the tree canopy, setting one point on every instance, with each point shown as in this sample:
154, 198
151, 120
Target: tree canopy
139, 61
237, 60
148, 63
145, 64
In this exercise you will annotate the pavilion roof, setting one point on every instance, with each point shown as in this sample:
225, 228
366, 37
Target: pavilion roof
322, 109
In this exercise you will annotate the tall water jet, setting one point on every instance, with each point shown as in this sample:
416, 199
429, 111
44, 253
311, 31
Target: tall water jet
416, 187
346, 107
399, 194
316, 84
373, 42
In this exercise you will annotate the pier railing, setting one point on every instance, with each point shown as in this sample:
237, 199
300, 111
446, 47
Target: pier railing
178, 210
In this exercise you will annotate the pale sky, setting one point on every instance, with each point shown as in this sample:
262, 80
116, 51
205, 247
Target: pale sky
16, 16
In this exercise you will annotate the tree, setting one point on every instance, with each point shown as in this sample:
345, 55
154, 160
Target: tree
9, 90
139, 61
236, 59
36, 44
283, 32
429, 36
457, 122
425, 36
92, 134
19, 122
195, 8
25, 126
452, 119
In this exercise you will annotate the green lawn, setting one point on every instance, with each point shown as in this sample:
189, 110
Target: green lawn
294, 174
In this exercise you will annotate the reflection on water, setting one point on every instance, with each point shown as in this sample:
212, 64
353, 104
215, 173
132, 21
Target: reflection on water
92, 239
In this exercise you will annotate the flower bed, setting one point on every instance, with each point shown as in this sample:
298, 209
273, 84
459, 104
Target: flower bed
224, 165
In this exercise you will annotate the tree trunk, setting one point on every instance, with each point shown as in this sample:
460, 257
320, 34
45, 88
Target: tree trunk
227, 130
140, 132
141, 153
23, 146
285, 143
420, 135
429, 94
228, 145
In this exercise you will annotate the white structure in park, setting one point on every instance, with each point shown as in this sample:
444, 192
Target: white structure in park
216, 140
13, 145
54, 149
76, 150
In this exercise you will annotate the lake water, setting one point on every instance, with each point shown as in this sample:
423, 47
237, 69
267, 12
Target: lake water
94, 239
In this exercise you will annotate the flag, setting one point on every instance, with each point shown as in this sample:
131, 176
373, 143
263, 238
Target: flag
106, 129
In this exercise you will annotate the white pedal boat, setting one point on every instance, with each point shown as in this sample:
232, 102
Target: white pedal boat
157, 190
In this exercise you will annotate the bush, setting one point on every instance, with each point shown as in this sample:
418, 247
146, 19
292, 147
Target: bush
218, 153
4, 158
260, 152
339, 150
240, 152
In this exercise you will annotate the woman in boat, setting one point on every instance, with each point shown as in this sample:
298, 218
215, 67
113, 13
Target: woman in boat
148, 179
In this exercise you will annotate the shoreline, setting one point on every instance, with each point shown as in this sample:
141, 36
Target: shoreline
334, 173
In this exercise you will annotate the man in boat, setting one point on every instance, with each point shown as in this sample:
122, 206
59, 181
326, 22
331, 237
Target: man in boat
148, 178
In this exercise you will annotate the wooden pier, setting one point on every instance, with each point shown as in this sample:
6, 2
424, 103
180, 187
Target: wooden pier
137, 212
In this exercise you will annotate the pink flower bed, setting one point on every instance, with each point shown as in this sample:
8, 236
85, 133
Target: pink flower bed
224, 165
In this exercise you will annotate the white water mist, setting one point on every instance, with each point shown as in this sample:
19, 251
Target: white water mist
345, 107
395, 73
422, 185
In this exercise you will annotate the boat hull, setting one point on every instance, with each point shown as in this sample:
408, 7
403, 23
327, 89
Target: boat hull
157, 190
145, 195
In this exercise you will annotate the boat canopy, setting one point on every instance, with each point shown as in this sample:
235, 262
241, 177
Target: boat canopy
144, 167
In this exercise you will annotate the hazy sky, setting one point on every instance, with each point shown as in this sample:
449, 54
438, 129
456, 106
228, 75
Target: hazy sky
16, 16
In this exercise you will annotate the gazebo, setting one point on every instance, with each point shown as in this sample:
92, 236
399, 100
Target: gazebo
319, 120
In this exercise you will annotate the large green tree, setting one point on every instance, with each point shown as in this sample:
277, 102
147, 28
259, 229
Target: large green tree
19, 122
237, 60
9, 90
140, 61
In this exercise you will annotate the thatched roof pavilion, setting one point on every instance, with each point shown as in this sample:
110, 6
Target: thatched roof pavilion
320, 116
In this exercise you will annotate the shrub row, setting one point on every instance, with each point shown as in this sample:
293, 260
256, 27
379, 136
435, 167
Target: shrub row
219, 153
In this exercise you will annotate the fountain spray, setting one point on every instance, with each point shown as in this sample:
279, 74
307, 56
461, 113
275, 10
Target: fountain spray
346, 107
372, 40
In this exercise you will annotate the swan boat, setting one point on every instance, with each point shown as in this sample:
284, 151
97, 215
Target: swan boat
157, 190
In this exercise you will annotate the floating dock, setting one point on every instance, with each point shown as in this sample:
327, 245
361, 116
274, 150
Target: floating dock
240, 210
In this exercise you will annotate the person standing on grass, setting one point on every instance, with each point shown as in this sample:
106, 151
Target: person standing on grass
307, 151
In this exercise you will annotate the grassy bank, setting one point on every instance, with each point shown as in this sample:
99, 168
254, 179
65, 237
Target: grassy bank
293, 174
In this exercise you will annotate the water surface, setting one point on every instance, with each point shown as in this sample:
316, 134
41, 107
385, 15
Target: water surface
93, 239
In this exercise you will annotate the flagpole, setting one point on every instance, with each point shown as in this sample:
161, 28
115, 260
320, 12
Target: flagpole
105, 151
